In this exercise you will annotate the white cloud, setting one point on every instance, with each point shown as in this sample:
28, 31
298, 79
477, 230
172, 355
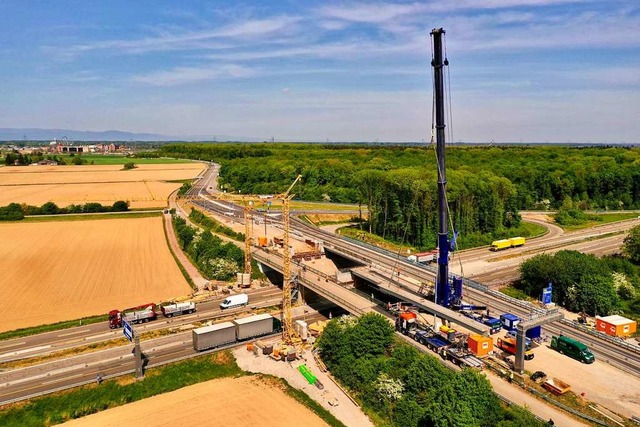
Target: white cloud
214, 38
188, 75
372, 13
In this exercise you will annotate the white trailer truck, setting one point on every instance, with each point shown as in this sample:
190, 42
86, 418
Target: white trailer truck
253, 326
176, 309
213, 336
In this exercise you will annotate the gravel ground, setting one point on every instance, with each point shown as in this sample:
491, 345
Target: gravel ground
346, 411
600, 382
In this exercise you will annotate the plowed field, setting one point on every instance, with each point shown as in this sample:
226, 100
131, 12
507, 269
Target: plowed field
240, 402
143, 187
54, 271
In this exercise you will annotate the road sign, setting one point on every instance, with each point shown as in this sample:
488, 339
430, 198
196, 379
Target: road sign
127, 331
546, 295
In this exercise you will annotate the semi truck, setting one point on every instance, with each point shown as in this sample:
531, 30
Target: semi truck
424, 257
572, 348
147, 312
514, 242
177, 309
224, 333
140, 314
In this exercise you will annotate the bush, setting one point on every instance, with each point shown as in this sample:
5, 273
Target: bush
129, 166
120, 206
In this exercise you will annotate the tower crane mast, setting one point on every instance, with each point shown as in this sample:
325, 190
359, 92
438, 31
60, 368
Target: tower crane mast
288, 333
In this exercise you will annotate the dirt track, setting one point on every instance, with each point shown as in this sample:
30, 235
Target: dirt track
246, 401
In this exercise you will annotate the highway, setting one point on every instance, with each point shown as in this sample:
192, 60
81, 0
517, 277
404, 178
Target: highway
626, 358
50, 342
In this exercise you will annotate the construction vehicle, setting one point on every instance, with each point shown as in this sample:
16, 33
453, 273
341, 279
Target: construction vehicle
508, 345
494, 324
572, 348
140, 314
177, 309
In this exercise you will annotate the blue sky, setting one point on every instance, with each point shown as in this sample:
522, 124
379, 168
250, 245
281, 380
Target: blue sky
520, 70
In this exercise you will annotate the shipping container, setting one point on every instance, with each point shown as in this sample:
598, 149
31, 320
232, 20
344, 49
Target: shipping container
534, 333
480, 345
509, 321
616, 326
213, 336
516, 241
253, 326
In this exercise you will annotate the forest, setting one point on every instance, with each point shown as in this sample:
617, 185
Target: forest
487, 185
397, 385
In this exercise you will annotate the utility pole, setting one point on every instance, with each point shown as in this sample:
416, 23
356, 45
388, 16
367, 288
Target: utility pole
442, 284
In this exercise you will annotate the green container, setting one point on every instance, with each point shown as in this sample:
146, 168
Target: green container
307, 374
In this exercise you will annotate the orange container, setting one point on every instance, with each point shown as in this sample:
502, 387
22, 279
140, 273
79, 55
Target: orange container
262, 241
616, 326
480, 345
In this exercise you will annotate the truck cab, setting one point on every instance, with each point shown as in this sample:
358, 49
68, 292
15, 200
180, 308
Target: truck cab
572, 348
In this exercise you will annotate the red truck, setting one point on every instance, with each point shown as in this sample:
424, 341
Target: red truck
139, 314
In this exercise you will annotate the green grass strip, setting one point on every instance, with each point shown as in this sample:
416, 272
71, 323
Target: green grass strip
175, 257
79, 402
25, 332
88, 217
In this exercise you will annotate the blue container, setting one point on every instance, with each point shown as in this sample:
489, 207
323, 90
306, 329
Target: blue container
509, 321
534, 333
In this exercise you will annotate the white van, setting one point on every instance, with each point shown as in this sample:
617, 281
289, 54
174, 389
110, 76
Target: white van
235, 301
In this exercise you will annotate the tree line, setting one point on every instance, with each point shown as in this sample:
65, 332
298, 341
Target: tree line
404, 387
16, 211
16, 158
487, 186
215, 259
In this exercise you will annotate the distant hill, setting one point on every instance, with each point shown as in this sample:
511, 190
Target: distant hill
33, 134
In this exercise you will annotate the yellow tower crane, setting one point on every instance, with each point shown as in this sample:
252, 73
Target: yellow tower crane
289, 335
248, 204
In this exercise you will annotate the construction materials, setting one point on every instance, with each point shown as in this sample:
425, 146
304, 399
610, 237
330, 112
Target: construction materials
301, 329
556, 386
572, 348
616, 326
306, 372
213, 336
234, 301
177, 309
253, 326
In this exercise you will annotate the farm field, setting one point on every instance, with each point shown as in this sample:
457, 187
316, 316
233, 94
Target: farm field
144, 187
244, 401
63, 270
